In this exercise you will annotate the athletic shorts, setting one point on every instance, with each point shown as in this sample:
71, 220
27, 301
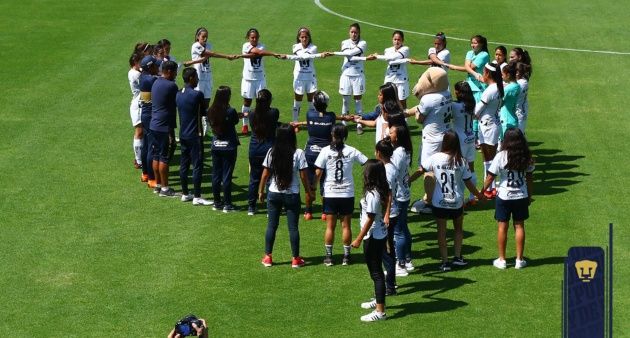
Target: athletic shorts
352, 85
467, 145
249, 88
428, 148
338, 206
160, 146
403, 90
134, 112
205, 86
489, 133
443, 213
518, 209
302, 87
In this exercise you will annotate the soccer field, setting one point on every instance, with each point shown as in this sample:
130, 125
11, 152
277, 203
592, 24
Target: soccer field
87, 250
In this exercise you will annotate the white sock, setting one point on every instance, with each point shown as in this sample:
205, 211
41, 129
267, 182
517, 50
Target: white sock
204, 125
296, 109
473, 180
137, 150
245, 119
358, 107
345, 107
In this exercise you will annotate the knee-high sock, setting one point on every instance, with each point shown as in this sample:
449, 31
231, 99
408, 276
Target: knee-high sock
310, 105
296, 109
358, 107
345, 107
245, 119
137, 150
486, 166
473, 180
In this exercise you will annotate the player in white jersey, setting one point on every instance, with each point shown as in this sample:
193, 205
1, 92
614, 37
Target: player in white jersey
352, 80
514, 166
487, 112
200, 54
379, 118
438, 55
397, 58
134, 108
522, 104
463, 115
304, 79
337, 160
253, 72
451, 172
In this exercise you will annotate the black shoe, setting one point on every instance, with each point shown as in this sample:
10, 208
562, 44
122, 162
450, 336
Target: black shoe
328, 260
445, 266
169, 193
390, 292
345, 260
459, 261
218, 206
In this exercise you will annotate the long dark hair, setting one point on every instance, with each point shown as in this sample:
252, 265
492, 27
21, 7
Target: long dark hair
320, 101
385, 148
262, 123
465, 95
375, 178
339, 136
495, 72
282, 156
510, 70
519, 157
304, 30
523, 70
218, 109
389, 92
451, 146
482, 41
403, 139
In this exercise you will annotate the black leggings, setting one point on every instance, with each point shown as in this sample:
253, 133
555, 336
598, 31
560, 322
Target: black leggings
373, 252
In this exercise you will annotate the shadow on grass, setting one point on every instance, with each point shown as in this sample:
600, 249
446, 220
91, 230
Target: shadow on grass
555, 171
441, 283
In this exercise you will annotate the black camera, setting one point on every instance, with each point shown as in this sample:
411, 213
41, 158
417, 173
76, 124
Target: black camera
185, 327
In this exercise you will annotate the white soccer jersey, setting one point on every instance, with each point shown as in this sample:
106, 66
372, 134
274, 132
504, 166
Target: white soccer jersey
392, 180
382, 128
396, 71
299, 163
449, 181
512, 184
522, 106
402, 160
134, 84
353, 66
371, 204
196, 52
462, 122
254, 68
304, 69
339, 181
437, 109
444, 55
487, 109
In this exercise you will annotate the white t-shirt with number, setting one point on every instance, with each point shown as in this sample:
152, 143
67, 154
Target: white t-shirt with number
203, 69
463, 123
371, 204
437, 109
401, 159
304, 69
339, 181
512, 183
254, 68
449, 186
299, 163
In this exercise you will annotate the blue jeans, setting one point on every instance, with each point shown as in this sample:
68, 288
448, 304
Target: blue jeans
147, 151
402, 236
223, 162
192, 151
389, 256
275, 202
255, 173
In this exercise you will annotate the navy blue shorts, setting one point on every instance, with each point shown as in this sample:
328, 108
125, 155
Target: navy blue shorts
443, 213
338, 205
160, 146
518, 209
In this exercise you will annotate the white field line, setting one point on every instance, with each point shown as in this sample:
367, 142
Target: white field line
326, 9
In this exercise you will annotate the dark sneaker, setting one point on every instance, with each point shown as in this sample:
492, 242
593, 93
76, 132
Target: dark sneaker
445, 266
218, 206
251, 211
228, 208
328, 261
390, 292
459, 261
345, 260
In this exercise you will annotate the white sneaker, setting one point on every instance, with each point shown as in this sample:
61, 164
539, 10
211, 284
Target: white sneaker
201, 201
374, 316
499, 263
359, 129
421, 207
369, 305
409, 266
520, 263
187, 198
401, 272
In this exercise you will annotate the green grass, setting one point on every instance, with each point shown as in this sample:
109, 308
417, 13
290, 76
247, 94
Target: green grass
87, 250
